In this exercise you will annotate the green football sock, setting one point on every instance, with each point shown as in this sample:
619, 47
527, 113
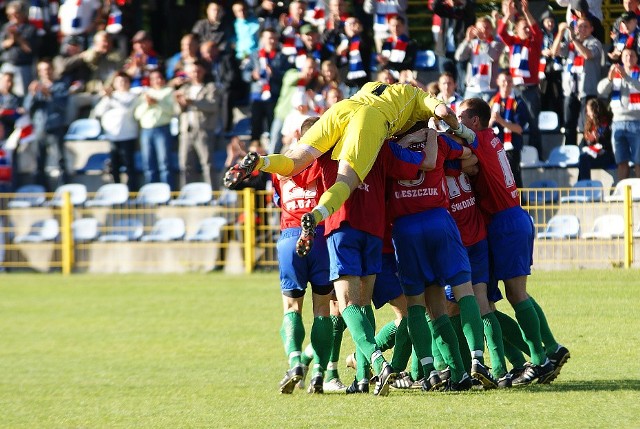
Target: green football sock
511, 332
438, 360
321, 338
292, 333
363, 335
334, 357
402, 349
472, 326
530, 325
420, 338
416, 368
386, 337
513, 354
448, 345
276, 163
465, 354
550, 343
493, 334
307, 354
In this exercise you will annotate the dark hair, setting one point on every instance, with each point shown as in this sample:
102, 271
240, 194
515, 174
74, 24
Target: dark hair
447, 74
308, 123
399, 19
480, 108
601, 114
123, 75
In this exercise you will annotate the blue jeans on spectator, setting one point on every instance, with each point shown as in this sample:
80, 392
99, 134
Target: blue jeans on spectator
531, 96
155, 147
275, 145
625, 138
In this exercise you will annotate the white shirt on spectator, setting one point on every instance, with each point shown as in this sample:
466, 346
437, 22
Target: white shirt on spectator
76, 16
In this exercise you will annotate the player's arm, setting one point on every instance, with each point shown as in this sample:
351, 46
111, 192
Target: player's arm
441, 111
468, 162
430, 150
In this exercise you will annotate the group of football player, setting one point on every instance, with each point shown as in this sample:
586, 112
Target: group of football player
379, 208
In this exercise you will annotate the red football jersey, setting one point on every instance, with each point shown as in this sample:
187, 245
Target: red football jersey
429, 190
463, 209
365, 208
296, 199
494, 185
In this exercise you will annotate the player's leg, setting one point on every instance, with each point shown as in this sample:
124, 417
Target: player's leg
556, 352
333, 382
446, 338
510, 235
321, 336
293, 281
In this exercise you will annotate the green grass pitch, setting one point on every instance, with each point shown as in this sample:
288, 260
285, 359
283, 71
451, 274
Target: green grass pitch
203, 351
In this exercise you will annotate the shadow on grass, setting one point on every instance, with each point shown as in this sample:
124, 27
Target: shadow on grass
597, 385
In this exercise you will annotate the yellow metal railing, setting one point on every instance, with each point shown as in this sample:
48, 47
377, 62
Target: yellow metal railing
249, 226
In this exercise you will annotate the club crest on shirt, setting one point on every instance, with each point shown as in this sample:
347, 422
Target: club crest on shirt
414, 182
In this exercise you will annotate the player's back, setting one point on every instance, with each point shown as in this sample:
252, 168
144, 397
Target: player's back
402, 105
494, 185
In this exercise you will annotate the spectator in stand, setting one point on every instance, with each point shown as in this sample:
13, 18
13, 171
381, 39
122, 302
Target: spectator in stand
481, 50
455, 17
301, 110
597, 151
270, 15
176, 65
622, 83
580, 9
142, 61
595, 7
550, 71
216, 26
46, 102
632, 6
19, 47
334, 24
398, 51
154, 112
290, 35
311, 46
264, 72
115, 111
583, 56
525, 50
246, 28
382, 11
627, 37
333, 96
329, 79
198, 107
509, 116
293, 81
223, 70
94, 67
356, 52
447, 91
10, 104
101, 62
79, 18
75, 77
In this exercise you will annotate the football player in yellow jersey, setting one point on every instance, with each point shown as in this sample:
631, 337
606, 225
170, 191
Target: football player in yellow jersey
355, 129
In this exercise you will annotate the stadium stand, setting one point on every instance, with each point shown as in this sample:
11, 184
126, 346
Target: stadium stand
111, 194
85, 229
561, 227
124, 229
44, 230
153, 194
193, 194
168, 229
606, 227
541, 192
618, 192
28, 196
584, 191
209, 229
77, 191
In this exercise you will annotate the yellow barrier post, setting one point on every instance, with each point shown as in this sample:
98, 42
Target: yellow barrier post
66, 217
628, 227
249, 228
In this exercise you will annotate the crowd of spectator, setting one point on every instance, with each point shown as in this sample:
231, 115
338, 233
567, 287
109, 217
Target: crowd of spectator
285, 62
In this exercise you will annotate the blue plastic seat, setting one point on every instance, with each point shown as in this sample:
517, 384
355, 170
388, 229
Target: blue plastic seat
28, 196
584, 191
84, 129
124, 229
541, 192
